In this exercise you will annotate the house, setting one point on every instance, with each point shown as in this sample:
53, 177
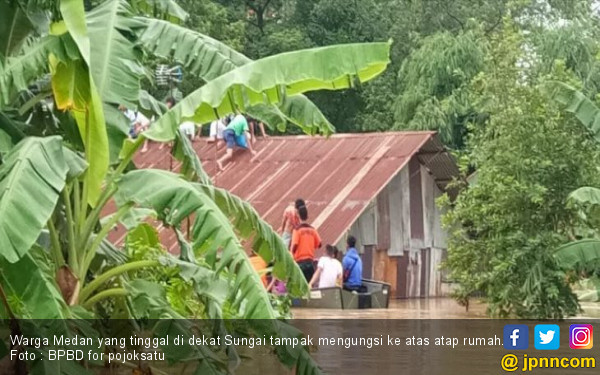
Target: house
381, 187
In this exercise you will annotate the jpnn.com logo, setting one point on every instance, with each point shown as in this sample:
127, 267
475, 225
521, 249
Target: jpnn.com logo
516, 336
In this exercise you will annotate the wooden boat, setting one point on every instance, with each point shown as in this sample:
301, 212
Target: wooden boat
377, 295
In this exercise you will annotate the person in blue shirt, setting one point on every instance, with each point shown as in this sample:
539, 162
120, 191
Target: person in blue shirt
352, 265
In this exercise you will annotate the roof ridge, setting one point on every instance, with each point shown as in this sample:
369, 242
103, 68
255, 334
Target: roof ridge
353, 135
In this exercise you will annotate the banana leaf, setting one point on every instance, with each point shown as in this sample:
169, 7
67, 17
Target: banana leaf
586, 195
31, 289
15, 26
35, 170
175, 199
577, 103
191, 166
208, 59
578, 254
75, 90
115, 59
18, 71
274, 78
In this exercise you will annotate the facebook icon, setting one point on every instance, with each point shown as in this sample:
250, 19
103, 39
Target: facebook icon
516, 336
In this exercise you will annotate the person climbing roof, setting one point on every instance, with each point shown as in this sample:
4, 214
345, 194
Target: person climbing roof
235, 134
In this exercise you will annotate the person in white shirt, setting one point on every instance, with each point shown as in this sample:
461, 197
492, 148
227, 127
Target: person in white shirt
216, 132
138, 123
329, 270
189, 129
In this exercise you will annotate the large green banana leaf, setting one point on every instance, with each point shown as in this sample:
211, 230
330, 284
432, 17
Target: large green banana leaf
578, 254
5, 143
586, 195
201, 55
15, 26
114, 59
17, 71
115, 66
191, 166
175, 199
271, 79
149, 300
33, 173
164, 9
31, 288
577, 103
73, 14
75, 90
208, 59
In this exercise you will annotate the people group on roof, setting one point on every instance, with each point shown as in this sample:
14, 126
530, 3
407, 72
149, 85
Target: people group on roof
300, 238
232, 131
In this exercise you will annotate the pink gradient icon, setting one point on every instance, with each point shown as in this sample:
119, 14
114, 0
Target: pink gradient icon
581, 336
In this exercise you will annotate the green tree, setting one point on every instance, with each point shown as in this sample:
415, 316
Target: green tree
434, 86
505, 227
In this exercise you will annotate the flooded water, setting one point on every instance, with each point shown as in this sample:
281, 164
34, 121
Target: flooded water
430, 308
422, 318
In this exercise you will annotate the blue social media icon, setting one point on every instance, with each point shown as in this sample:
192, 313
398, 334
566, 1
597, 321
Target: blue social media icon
547, 337
516, 336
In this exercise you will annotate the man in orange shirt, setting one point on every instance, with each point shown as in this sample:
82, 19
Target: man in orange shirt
305, 240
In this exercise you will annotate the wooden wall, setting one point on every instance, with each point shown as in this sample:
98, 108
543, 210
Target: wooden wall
401, 236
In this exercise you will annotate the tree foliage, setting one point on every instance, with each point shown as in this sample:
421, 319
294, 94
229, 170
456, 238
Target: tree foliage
506, 227
434, 86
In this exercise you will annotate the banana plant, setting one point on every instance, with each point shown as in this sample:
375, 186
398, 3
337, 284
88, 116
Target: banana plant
582, 255
55, 259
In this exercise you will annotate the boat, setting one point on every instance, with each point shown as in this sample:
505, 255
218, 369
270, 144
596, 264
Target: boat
376, 296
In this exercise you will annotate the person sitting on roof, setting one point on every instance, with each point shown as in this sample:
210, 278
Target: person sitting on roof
188, 128
236, 133
137, 124
217, 128
352, 265
329, 270
305, 240
291, 221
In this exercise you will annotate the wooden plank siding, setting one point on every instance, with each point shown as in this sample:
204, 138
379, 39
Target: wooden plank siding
400, 235
368, 261
401, 276
383, 220
416, 203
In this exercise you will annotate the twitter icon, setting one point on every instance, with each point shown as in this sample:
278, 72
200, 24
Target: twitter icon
547, 336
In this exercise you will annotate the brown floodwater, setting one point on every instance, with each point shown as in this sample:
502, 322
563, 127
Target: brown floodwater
427, 308
403, 319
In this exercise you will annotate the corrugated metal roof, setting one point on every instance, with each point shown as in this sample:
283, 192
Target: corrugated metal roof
337, 176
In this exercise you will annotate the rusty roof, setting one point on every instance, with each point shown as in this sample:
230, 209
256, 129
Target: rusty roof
337, 176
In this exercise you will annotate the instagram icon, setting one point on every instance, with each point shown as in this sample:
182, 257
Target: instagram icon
581, 336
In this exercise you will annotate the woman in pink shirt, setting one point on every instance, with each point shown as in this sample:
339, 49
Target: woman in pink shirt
291, 220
